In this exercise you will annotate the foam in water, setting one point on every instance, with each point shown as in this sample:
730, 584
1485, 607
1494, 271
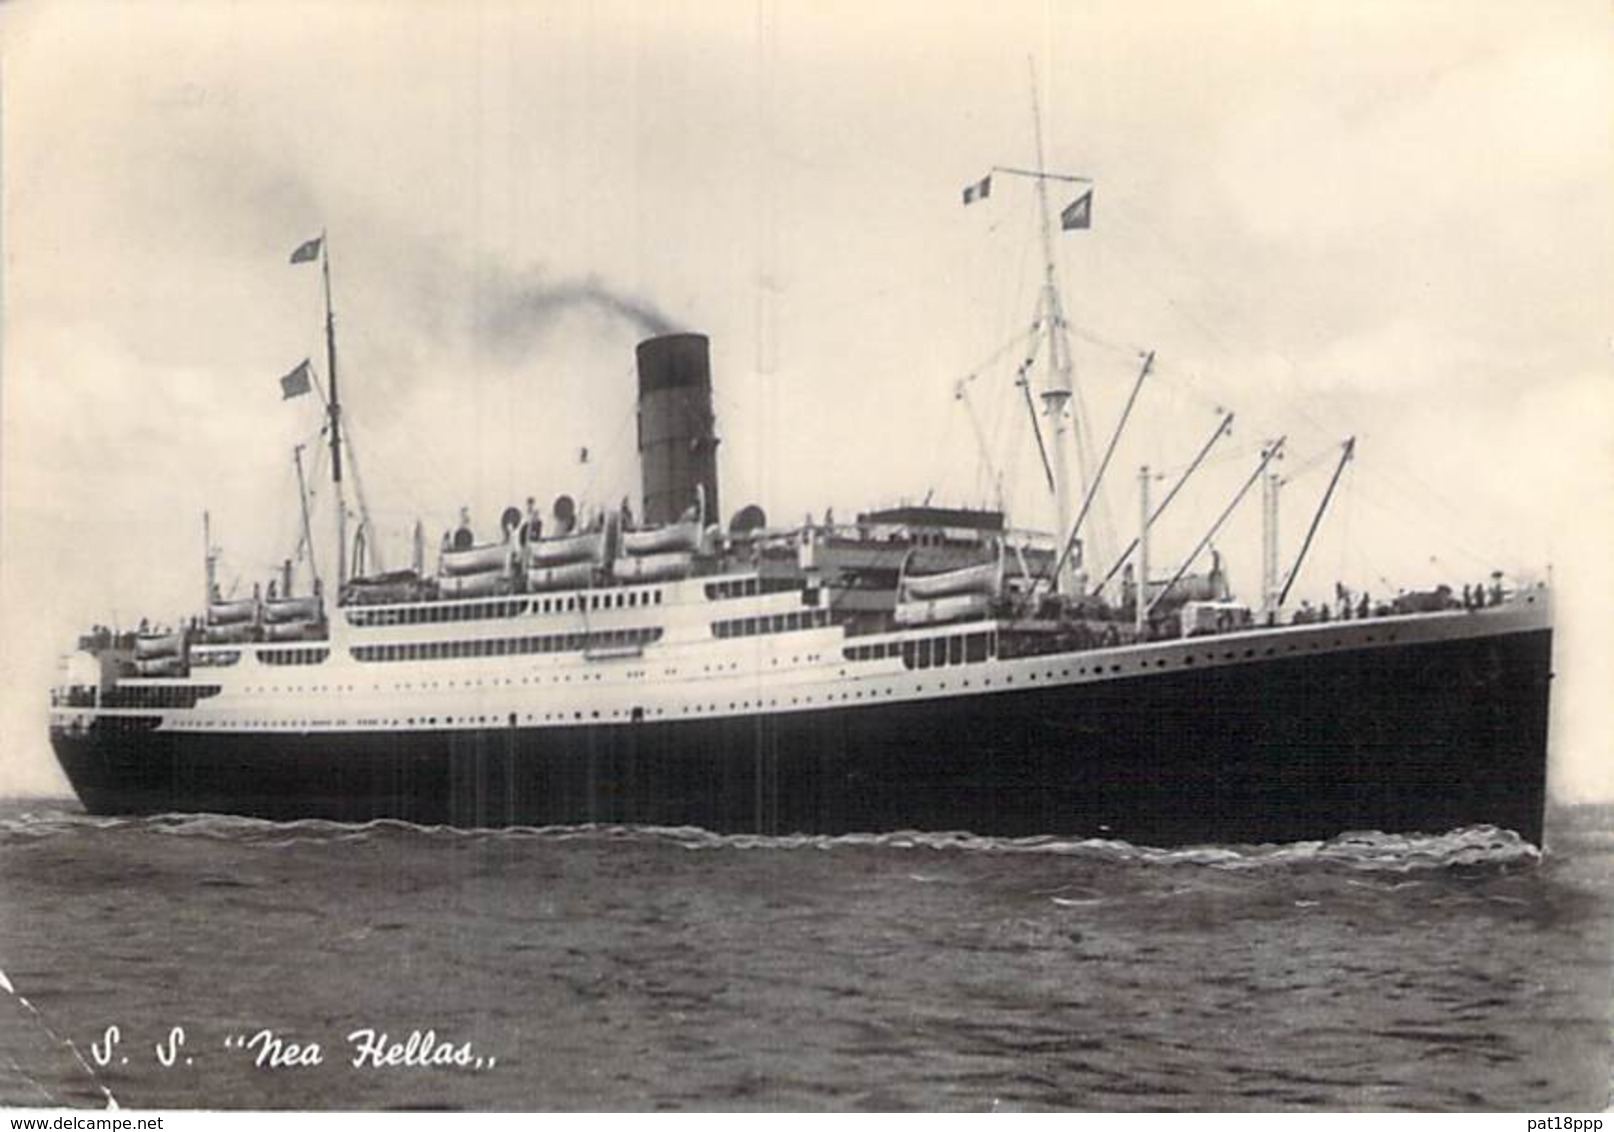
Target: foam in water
1473, 846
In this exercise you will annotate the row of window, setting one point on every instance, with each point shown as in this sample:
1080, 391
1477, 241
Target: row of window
931, 652
510, 646
157, 696
293, 656
222, 659
600, 599
747, 587
777, 623
436, 613
494, 610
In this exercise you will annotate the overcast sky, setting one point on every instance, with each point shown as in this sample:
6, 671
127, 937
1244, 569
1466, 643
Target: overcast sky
1388, 220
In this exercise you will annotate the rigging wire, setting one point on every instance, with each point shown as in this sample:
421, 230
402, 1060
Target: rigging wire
1343, 413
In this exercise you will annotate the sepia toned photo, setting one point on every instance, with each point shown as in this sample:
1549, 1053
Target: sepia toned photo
771, 556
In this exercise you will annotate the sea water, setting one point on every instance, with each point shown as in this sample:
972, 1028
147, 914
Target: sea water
202, 961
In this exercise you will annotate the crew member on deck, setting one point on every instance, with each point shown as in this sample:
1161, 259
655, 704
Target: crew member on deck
533, 530
463, 539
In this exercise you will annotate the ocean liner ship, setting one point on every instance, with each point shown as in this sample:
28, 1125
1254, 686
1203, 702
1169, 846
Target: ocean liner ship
919, 668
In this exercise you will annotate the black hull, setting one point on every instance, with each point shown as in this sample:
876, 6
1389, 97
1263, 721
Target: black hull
1425, 737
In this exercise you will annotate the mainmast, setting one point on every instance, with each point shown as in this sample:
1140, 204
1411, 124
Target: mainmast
1060, 404
300, 380
334, 409
1056, 396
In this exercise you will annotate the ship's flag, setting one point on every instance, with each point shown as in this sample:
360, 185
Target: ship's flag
980, 190
1078, 213
297, 382
308, 250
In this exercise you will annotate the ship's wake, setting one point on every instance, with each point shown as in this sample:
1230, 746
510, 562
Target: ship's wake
1480, 846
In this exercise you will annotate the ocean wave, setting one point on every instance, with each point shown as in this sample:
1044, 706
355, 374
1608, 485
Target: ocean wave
1481, 846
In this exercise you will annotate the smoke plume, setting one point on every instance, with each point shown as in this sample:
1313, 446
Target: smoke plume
513, 314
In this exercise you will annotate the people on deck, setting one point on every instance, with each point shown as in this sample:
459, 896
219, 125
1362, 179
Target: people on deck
533, 529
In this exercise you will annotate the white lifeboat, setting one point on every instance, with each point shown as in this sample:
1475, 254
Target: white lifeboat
229, 634
154, 646
292, 631
160, 666
231, 612
938, 611
667, 566
588, 546
680, 536
284, 609
569, 575
484, 559
984, 578
473, 585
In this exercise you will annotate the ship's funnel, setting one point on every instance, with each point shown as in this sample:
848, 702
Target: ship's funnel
677, 447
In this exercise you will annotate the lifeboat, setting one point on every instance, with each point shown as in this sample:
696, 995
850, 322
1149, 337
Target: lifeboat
667, 566
1425, 601
293, 631
939, 611
383, 589
155, 646
473, 585
683, 536
1190, 587
570, 575
278, 610
562, 549
985, 578
231, 612
487, 558
229, 634
160, 666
